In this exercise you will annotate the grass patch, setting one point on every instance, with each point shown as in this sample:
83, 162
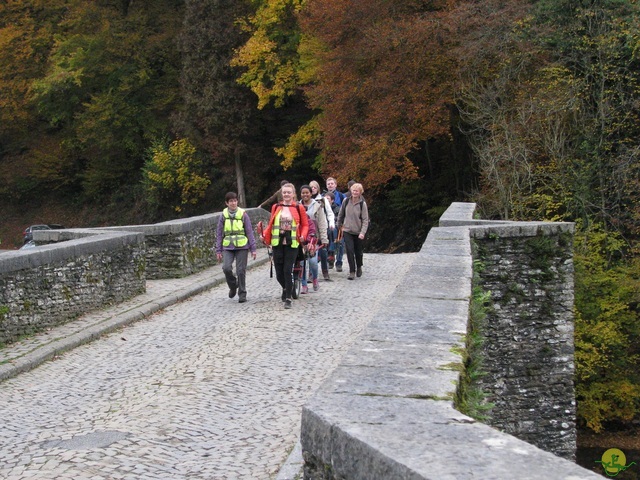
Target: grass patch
469, 398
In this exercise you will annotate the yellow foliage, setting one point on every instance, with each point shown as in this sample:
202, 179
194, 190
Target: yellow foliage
607, 385
270, 57
304, 138
174, 171
612, 398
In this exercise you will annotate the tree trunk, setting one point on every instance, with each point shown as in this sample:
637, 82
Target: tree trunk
240, 179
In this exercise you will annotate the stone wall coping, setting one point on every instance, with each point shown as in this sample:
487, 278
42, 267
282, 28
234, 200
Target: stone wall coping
460, 214
458, 211
170, 227
522, 229
387, 410
80, 242
393, 437
59, 245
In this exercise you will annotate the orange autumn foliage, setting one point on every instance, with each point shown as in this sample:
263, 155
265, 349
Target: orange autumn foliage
383, 82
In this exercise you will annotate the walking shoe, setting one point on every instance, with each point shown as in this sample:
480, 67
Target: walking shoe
316, 286
242, 298
304, 289
325, 275
331, 260
359, 272
232, 292
338, 268
287, 303
352, 275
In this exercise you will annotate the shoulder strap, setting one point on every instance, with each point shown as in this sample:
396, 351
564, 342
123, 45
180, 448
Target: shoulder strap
324, 207
343, 209
346, 201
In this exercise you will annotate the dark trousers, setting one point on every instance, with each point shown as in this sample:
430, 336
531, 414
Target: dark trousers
324, 261
354, 247
284, 257
240, 256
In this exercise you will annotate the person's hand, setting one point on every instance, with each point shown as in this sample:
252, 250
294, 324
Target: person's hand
254, 255
361, 236
219, 257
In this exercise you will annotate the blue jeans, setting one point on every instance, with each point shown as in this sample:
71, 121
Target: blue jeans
339, 249
312, 263
335, 248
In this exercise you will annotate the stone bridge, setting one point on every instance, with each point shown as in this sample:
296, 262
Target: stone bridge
453, 362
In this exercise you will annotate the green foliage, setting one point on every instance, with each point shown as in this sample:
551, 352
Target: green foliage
173, 176
109, 83
219, 115
26, 35
414, 208
470, 399
607, 333
553, 119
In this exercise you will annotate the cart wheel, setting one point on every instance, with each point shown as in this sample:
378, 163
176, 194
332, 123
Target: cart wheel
297, 285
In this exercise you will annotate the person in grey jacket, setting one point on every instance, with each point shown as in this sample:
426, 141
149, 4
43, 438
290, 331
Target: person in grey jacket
354, 221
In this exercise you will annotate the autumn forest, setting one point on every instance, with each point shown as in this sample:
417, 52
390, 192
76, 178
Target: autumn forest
137, 111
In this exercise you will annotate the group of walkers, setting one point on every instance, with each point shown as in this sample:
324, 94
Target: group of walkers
326, 225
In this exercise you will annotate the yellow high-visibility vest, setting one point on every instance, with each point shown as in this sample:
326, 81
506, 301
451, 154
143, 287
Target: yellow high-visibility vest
234, 233
275, 231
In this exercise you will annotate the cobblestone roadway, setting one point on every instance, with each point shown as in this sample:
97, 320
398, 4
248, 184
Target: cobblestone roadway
206, 389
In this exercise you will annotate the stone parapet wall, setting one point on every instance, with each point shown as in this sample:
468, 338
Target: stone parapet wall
176, 248
52, 284
387, 411
74, 271
181, 247
528, 349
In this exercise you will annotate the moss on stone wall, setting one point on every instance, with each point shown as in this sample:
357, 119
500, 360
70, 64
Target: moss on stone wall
470, 399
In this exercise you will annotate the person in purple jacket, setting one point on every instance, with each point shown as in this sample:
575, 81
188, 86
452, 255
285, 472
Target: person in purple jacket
234, 241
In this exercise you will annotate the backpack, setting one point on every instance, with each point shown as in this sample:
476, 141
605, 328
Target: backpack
313, 227
301, 211
337, 195
343, 207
